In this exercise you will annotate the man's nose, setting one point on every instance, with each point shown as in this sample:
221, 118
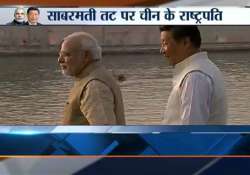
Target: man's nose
60, 59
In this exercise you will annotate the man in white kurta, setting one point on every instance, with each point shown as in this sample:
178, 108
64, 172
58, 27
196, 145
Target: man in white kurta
198, 95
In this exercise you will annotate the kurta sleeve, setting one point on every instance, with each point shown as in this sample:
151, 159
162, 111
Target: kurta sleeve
196, 94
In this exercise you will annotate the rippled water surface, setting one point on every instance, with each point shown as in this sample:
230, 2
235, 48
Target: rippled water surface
33, 91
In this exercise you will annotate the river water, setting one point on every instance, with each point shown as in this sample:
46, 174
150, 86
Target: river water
33, 91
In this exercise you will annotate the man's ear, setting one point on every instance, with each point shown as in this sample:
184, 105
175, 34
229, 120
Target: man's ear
187, 42
86, 56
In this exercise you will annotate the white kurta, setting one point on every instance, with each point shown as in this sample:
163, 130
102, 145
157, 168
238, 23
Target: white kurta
198, 95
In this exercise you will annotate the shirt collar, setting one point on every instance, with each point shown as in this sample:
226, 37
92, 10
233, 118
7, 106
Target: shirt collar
30, 24
183, 64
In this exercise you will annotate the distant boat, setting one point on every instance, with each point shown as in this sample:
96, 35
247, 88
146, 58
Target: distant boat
119, 77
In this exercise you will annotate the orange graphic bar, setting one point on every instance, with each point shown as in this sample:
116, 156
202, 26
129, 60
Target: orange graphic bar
75, 3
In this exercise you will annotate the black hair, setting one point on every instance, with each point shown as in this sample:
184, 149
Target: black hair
33, 8
182, 31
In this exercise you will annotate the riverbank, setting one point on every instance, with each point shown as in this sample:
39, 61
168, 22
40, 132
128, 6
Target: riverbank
132, 49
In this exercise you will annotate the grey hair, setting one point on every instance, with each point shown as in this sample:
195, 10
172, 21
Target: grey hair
87, 43
19, 8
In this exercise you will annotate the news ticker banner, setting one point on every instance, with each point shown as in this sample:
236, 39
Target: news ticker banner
125, 140
124, 166
138, 16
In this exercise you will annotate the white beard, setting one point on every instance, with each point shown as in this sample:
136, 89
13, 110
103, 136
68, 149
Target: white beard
65, 72
19, 20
